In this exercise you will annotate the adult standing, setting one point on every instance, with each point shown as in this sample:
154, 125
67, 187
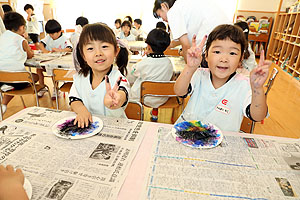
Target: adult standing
190, 17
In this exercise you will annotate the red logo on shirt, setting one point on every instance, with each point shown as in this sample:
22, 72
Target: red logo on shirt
224, 101
124, 80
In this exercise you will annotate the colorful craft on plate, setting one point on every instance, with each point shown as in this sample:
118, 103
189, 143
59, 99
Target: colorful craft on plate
69, 129
197, 134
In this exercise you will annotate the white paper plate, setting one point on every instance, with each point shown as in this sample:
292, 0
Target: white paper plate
28, 188
60, 128
201, 144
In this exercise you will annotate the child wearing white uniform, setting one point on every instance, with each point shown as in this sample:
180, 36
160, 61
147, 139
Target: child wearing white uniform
80, 23
55, 41
125, 31
156, 67
14, 51
219, 95
91, 92
32, 24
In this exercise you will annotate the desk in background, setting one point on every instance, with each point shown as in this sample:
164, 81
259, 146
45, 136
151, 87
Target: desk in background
244, 166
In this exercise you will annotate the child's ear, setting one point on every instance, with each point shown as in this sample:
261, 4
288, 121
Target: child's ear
117, 50
164, 6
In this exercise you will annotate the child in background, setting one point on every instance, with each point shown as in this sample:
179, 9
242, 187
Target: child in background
125, 31
117, 29
91, 92
55, 41
219, 95
14, 50
140, 33
156, 67
32, 25
11, 184
161, 25
80, 23
249, 62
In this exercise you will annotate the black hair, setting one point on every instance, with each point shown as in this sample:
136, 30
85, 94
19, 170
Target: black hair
161, 25
13, 20
52, 26
227, 31
126, 23
129, 18
157, 5
118, 21
138, 21
6, 8
100, 32
245, 28
159, 40
82, 21
27, 6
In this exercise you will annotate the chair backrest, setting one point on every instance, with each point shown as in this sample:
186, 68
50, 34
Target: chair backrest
134, 110
271, 80
60, 75
15, 77
157, 88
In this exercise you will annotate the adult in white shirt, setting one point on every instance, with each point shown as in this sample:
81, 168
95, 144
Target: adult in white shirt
32, 24
190, 17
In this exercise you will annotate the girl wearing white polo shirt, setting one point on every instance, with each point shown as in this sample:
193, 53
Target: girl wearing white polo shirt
219, 95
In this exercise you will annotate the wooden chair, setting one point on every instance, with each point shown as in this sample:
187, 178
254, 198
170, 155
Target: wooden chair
161, 89
17, 77
248, 125
134, 110
59, 76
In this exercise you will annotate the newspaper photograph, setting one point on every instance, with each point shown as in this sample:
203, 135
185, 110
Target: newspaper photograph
242, 167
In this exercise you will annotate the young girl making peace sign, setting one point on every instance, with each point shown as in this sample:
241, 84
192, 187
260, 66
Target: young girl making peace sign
219, 95
91, 92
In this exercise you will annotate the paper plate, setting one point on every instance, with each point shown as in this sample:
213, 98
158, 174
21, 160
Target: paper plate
28, 188
202, 143
64, 128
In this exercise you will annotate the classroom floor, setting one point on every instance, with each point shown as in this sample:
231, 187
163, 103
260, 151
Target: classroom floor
283, 101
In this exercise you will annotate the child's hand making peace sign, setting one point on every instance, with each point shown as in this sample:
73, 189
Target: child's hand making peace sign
113, 98
194, 54
259, 75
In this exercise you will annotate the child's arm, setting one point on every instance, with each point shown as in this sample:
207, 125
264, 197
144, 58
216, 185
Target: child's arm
194, 57
11, 184
258, 76
62, 50
114, 98
41, 47
27, 48
83, 115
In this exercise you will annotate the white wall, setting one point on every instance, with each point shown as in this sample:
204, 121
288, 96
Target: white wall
264, 5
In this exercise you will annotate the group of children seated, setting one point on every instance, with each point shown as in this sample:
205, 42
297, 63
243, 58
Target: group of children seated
218, 94
129, 30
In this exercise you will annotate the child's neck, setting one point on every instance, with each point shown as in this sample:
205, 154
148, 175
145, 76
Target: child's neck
98, 77
219, 82
127, 34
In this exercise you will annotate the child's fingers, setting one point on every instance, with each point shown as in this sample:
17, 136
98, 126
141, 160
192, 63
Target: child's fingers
107, 84
19, 171
262, 58
202, 43
10, 168
91, 118
116, 87
194, 41
86, 122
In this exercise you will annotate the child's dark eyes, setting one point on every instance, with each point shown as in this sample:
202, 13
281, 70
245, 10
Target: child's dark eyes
104, 46
90, 48
217, 52
233, 53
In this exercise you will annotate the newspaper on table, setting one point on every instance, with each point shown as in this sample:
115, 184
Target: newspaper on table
91, 168
244, 166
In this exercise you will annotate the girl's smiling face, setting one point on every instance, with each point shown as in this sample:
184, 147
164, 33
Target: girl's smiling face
126, 30
223, 58
99, 55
